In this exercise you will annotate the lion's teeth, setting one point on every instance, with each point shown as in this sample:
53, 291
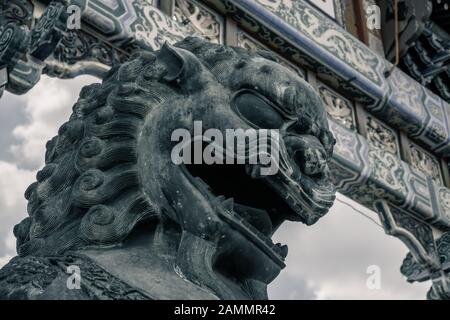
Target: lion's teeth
203, 183
228, 204
282, 249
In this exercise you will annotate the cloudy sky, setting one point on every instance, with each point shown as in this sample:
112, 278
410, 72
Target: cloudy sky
326, 261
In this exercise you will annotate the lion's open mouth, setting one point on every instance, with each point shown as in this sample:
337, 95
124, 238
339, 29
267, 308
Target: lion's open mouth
263, 202
251, 198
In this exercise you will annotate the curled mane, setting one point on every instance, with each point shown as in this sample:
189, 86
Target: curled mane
90, 191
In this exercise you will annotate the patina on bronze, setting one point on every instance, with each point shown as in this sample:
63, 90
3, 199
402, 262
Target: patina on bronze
110, 201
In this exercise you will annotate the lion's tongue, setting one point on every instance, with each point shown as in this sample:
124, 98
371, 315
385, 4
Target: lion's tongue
256, 217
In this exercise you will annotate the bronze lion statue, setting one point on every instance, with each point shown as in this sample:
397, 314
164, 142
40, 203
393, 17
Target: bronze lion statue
112, 217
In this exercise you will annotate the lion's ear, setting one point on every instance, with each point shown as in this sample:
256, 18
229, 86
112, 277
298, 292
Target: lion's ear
183, 68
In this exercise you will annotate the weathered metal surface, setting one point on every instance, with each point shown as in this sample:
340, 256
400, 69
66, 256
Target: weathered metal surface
365, 170
111, 191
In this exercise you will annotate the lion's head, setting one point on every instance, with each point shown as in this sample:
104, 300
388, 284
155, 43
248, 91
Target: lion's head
110, 167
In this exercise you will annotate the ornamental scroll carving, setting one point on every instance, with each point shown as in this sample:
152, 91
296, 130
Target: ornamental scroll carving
425, 162
200, 20
380, 136
338, 107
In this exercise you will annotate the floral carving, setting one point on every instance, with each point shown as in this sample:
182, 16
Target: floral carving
199, 19
338, 107
380, 136
425, 162
388, 169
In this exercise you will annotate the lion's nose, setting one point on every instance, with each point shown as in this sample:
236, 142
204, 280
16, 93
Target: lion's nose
308, 152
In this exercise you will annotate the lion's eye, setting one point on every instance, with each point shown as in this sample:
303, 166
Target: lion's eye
257, 111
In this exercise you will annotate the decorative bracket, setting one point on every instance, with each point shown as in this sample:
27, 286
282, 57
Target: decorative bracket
425, 260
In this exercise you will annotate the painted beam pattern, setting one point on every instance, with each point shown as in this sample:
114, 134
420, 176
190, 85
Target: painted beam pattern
366, 173
113, 28
305, 35
125, 22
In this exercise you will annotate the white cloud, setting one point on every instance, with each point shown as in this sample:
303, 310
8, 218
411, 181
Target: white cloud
329, 260
48, 106
45, 108
13, 184
4, 260
10, 242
